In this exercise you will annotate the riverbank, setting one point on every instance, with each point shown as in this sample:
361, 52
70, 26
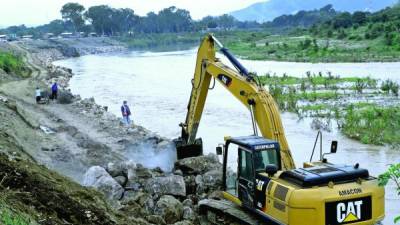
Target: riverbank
264, 45
307, 48
83, 141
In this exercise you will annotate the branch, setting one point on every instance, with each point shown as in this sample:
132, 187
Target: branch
3, 179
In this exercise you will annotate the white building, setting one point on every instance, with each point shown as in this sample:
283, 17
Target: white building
27, 37
3, 38
66, 35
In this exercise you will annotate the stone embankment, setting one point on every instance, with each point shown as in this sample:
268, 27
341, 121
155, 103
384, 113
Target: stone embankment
157, 196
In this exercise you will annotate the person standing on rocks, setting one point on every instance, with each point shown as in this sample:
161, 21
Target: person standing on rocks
54, 90
38, 94
126, 113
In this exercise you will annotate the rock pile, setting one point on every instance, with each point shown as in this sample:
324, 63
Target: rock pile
157, 196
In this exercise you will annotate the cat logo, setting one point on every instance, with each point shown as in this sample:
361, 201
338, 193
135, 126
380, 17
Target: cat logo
225, 79
349, 212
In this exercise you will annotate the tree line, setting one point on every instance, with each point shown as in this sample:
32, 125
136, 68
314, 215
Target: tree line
106, 20
362, 26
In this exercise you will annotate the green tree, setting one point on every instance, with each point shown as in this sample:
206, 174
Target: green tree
342, 20
359, 17
73, 12
392, 174
226, 21
389, 38
101, 18
124, 20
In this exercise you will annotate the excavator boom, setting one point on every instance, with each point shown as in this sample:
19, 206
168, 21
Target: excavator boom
242, 85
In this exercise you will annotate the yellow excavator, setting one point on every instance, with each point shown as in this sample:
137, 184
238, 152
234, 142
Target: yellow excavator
260, 180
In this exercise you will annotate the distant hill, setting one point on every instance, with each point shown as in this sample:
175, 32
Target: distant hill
268, 10
304, 18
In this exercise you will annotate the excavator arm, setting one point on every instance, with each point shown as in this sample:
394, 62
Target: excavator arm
241, 85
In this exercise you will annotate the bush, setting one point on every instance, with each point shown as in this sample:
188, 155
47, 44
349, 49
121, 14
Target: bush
388, 86
10, 63
360, 85
392, 174
373, 124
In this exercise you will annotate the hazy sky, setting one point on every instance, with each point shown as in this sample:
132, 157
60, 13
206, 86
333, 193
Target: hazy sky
35, 12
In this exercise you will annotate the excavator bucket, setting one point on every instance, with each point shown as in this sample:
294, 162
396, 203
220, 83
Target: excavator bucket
184, 150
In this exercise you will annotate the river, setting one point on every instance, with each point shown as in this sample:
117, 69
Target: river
157, 86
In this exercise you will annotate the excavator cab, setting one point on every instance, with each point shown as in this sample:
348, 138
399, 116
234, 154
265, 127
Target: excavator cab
244, 160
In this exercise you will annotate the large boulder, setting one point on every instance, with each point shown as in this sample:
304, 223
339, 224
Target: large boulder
169, 208
213, 179
169, 185
98, 178
124, 168
208, 182
188, 213
155, 219
184, 222
65, 97
142, 172
198, 165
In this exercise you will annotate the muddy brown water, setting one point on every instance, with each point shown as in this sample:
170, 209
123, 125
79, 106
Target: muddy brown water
157, 86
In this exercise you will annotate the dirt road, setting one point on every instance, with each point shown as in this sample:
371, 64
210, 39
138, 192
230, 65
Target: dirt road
68, 138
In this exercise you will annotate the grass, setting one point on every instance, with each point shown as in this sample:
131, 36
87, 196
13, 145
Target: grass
315, 80
13, 64
330, 98
293, 89
305, 47
8, 217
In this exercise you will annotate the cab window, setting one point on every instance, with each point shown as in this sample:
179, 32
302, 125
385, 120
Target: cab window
246, 166
264, 158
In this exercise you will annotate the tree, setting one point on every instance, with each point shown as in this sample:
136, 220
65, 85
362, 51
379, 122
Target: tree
173, 19
392, 174
343, 20
127, 19
167, 20
359, 17
389, 38
226, 21
56, 27
73, 12
101, 19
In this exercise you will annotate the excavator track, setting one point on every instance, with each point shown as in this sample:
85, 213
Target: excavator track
225, 212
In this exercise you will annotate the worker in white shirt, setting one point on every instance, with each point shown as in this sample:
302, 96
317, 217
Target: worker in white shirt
38, 94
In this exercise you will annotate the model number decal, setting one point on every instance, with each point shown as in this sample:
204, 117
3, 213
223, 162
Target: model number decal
350, 192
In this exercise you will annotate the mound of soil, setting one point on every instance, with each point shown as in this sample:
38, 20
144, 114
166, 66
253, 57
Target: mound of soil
50, 198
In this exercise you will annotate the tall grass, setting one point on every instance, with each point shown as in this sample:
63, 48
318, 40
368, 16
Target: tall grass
9, 218
12, 64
